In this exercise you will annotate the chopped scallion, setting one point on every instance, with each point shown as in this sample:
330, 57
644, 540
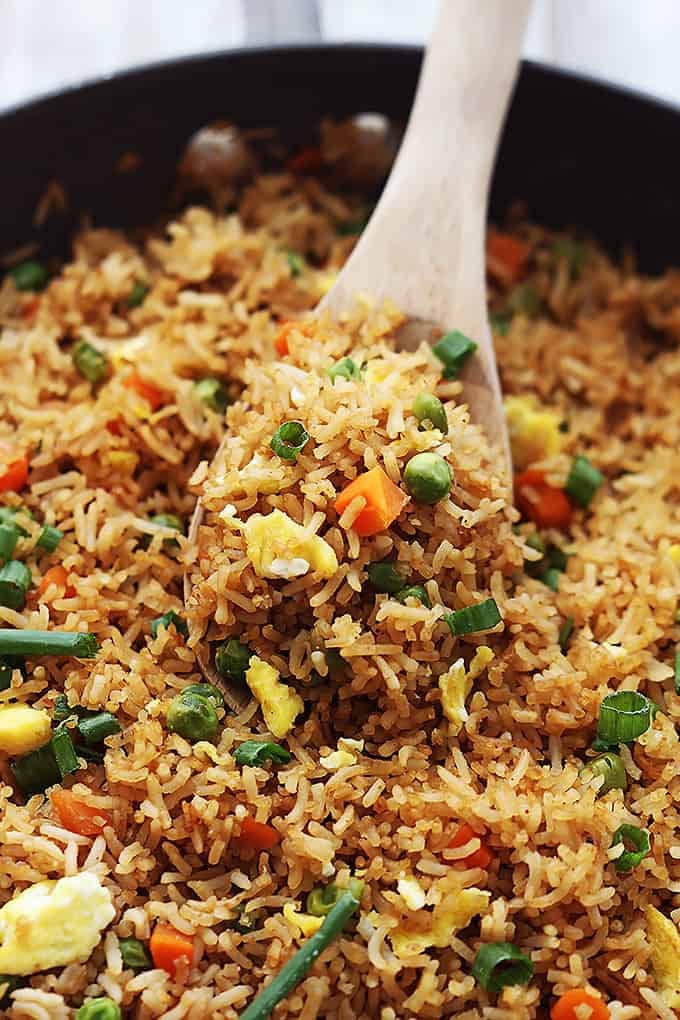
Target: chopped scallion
49, 538
453, 350
15, 580
296, 263
232, 659
630, 859
94, 728
171, 617
610, 766
47, 642
499, 964
481, 616
64, 751
523, 300
414, 591
9, 536
624, 716
387, 577
213, 393
565, 633
583, 481
37, 771
345, 368
90, 363
138, 294
259, 752
289, 440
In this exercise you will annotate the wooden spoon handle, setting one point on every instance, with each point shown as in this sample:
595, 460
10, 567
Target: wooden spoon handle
424, 244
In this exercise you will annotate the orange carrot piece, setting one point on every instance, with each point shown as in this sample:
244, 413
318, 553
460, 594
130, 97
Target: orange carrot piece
478, 858
384, 501
306, 161
168, 946
544, 504
76, 816
566, 1007
281, 341
14, 475
58, 576
115, 427
154, 396
507, 257
258, 835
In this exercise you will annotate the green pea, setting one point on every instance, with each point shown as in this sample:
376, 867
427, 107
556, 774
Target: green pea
208, 691
193, 717
428, 478
30, 275
427, 407
232, 659
322, 899
345, 369
135, 954
213, 393
99, 1009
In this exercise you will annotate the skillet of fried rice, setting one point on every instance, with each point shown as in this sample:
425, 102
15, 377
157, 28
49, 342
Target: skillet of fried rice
466, 771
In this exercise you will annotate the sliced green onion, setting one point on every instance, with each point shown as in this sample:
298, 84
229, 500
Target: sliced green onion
245, 920
95, 728
292, 973
173, 522
232, 660
134, 953
565, 633
15, 580
47, 642
500, 322
61, 710
296, 263
499, 964
630, 859
259, 752
9, 536
428, 408
90, 363
453, 350
64, 751
37, 771
345, 368
677, 670
49, 538
289, 440
624, 716
387, 577
8, 516
30, 275
171, 617
611, 767
138, 294
213, 393
557, 558
583, 482
523, 300
414, 591
322, 899
482, 616
550, 578
573, 252
534, 541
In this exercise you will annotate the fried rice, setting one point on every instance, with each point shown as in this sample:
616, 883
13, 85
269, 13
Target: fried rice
388, 758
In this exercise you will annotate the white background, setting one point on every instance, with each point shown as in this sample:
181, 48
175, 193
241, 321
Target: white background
45, 44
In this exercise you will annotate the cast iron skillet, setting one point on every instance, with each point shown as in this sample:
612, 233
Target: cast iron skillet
580, 153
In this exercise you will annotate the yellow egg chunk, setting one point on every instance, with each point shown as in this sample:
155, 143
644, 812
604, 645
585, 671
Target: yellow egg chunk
53, 923
23, 729
456, 684
534, 432
453, 913
346, 754
277, 547
674, 553
664, 938
307, 924
280, 703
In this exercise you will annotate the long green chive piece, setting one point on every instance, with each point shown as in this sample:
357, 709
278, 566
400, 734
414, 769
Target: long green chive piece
414, 591
550, 578
47, 642
9, 536
94, 728
611, 767
639, 838
138, 294
171, 617
134, 953
30, 275
387, 577
345, 368
573, 252
64, 751
232, 660
15, 580
322, 899
259, 752
500, 322
213, 393
296, 263
583, 482
453, 350
37, 771
565, 633
523, 300
296, 968
482, 616
498, 964
624, 716
49, 538
428, 408
91, 363
677, 670
289, 440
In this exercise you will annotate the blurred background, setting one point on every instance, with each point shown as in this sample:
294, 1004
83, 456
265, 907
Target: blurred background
46, 45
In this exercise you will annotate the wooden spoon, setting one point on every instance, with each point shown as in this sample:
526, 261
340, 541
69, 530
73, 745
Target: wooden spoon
424, 246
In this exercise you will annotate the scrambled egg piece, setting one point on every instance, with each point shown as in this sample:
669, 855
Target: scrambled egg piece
347, 754
664, 939
411, 892
534, 432
376, 371
306, 923
453, 913
23, 729
122, 460
278, 547
52, 924
280, 704
456, 684
674, 553
325, 281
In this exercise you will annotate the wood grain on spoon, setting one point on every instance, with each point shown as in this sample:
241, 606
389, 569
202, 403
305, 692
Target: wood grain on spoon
424, 246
